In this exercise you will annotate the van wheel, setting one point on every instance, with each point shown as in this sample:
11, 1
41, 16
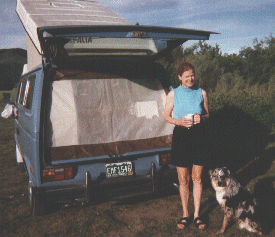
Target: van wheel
36, 201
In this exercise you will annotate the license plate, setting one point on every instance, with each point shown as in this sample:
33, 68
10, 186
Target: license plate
119, 169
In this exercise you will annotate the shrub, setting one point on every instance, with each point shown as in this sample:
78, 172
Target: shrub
257, 101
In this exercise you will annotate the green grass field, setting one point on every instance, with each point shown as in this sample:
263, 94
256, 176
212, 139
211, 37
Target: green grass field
150, 216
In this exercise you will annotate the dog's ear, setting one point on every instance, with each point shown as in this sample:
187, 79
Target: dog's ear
227, 170
210, 172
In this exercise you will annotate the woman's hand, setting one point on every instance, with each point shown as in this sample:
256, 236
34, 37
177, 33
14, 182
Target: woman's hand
184, 122
197, 118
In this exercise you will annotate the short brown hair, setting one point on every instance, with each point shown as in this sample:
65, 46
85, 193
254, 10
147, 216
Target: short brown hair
183, 67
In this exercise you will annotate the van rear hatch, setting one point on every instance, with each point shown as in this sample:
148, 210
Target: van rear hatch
120, 40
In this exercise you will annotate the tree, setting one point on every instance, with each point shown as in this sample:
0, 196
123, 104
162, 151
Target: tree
259, 61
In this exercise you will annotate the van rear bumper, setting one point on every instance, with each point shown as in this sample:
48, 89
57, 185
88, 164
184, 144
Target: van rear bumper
113, 188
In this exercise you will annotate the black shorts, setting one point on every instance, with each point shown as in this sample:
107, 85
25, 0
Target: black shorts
189, 146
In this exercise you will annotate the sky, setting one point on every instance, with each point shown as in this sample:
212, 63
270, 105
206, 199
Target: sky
239, 22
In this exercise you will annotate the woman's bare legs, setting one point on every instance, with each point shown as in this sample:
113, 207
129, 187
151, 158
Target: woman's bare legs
184, 179
197, 190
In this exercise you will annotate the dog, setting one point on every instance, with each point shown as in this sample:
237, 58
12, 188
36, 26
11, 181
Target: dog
237, 202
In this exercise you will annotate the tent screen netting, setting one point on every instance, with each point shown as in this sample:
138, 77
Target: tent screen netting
94, 114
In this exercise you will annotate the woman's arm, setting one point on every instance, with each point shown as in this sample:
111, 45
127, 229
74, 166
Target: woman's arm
167, 114
205, 105
197, 117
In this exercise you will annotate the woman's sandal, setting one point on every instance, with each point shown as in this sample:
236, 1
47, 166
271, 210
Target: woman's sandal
198, 222
185, 221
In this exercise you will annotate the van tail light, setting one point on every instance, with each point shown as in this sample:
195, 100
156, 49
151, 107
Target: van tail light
164, 159
57, 174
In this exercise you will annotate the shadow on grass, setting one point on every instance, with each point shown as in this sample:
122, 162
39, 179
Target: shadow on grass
53, 207
265, 192
234, 139
169, 191
256, 168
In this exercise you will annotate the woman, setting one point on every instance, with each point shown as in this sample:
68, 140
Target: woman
188, 138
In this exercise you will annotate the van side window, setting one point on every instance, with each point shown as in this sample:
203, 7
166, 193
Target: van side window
25, 94
22, 92
29, 93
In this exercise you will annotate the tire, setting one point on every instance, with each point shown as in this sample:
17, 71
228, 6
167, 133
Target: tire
36, 201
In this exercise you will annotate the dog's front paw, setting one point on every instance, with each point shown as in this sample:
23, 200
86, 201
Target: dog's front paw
220, 232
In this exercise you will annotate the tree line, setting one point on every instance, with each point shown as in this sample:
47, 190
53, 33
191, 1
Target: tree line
11, 65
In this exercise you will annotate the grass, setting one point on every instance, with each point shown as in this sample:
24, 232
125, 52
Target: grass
154, 216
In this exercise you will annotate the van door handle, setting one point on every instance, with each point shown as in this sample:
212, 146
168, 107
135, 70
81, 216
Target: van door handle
17, 131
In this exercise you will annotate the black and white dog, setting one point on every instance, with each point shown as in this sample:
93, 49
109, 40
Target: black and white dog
236, 201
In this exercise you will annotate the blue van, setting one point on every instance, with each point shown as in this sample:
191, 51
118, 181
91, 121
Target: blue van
88, 110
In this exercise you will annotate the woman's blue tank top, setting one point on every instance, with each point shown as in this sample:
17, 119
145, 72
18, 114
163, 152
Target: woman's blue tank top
187, 101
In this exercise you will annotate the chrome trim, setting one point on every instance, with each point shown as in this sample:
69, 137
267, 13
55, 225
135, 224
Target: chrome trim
153, 176
88, 187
